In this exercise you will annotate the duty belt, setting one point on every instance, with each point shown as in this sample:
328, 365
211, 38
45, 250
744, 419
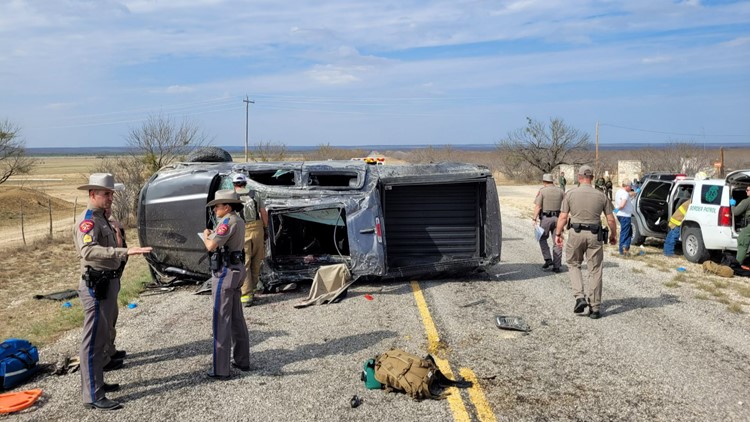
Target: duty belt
593, 228
550, 213
108, 274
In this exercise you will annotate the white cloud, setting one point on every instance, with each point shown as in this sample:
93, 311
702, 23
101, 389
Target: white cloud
656, 60
177, 89
60, 106
332, 75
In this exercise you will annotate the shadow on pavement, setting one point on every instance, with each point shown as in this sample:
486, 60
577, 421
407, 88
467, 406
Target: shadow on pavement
272, 362
526, 271
618, 306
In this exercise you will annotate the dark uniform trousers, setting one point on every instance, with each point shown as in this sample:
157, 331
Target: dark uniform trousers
229, 327
585, 243
548, 224
98, 315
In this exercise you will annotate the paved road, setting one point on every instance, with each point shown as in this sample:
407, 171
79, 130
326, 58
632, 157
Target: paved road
657, 354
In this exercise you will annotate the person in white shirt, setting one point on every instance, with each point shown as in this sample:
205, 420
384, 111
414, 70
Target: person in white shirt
624, 212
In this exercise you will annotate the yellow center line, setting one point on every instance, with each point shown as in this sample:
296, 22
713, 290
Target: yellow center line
484, 411
454, 398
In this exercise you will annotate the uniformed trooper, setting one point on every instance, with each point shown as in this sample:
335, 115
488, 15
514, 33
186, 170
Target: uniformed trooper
547, 207
227, 258
101, 268
256, 223
742, 210
583, 206
115, 356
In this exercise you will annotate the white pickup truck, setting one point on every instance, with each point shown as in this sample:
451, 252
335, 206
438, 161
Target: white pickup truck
709, 226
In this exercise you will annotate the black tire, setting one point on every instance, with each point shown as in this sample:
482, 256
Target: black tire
693, 247
209, 155
638, 238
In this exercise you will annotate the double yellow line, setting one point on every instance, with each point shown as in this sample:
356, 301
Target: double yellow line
476, 395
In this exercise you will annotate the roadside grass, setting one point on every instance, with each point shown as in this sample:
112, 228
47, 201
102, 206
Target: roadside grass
735, 308
672, 283
46, 266
742, 289
706, 286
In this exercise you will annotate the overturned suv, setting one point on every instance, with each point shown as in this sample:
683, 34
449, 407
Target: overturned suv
381, 221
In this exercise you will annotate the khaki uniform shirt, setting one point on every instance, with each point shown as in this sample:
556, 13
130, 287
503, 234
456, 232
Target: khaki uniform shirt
96, 241
549, 198
585, 205
230, 232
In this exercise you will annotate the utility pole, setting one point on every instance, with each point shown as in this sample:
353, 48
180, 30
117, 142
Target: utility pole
596, 154
247, 111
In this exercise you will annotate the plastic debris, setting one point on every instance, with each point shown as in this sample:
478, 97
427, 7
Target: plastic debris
681, 269
509, 322
132, 305
355, 401
369, 297
67, 305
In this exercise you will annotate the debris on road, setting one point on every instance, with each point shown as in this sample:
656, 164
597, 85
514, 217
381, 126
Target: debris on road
515, 323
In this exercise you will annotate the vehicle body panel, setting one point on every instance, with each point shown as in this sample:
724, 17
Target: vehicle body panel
437, 218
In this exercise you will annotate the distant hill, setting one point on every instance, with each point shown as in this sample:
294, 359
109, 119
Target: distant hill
302, 148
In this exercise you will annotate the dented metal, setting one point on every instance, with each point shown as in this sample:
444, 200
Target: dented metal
382, 221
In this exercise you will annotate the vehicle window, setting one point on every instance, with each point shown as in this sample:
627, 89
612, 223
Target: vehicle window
711, 194
226, 183
655, 189
274, 177
333, 179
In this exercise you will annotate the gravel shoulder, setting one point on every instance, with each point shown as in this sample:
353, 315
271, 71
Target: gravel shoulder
657, 354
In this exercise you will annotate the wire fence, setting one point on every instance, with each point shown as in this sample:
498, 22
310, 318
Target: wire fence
27, 227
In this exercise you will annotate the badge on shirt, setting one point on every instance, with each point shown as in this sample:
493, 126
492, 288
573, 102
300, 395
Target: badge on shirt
86, 226
222, 229
87, 239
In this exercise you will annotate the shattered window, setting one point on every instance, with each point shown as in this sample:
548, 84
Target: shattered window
333, 179
280, 177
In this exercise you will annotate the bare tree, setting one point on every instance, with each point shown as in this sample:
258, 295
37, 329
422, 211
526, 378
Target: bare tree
268, 151
432, 154
161, 141
677, 157
130, 171
13, 158
328, 152
546, 147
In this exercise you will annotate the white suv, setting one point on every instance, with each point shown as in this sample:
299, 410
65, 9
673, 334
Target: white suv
709, 225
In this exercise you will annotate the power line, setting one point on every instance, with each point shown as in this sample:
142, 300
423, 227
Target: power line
669, 133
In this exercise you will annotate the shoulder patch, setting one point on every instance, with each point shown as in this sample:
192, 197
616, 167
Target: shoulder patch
86, 226
87, 239
222, 229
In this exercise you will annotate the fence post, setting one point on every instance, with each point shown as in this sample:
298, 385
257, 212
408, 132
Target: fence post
23, 235
49, 206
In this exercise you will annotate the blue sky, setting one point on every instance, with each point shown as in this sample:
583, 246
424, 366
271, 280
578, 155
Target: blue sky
351, 72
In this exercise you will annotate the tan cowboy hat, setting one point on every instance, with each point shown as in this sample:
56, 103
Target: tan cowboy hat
547, 178
225, 196
102, 181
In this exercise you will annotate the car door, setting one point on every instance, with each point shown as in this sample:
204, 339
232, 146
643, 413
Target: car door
653, 206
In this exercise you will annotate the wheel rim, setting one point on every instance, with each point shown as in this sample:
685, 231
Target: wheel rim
691, 245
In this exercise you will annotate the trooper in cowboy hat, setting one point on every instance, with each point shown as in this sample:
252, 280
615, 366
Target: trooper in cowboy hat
102, 262
227, 263
546, 209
